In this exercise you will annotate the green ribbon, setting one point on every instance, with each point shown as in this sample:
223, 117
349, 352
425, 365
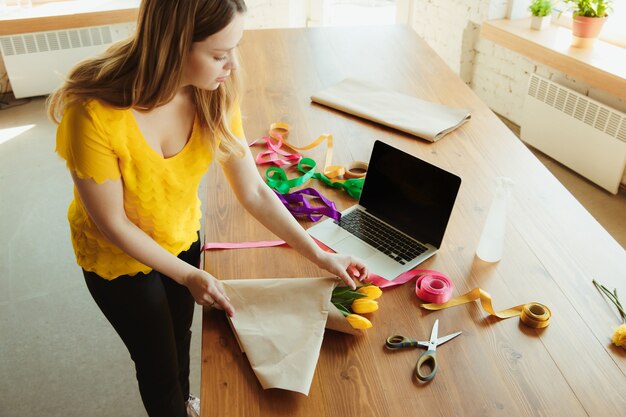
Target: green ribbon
277, 179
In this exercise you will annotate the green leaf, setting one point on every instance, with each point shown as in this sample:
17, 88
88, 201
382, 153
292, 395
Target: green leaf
347, 295
343, 310
340, 290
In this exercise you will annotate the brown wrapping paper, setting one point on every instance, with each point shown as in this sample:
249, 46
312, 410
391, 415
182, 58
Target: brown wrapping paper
427, 120
279, 323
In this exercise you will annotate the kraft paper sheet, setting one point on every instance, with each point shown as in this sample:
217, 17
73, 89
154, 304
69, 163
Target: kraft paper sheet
279, 323
427, 120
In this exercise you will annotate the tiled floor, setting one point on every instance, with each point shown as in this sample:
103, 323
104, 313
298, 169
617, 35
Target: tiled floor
58, 355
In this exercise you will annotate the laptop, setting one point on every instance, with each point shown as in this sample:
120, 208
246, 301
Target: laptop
401, 217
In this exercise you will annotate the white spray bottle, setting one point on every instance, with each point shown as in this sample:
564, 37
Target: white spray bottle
492, 238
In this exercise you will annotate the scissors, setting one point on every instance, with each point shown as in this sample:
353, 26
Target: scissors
428, 358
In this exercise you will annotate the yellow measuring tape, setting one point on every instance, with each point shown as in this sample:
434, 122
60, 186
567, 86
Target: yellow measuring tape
533, 314
356, 169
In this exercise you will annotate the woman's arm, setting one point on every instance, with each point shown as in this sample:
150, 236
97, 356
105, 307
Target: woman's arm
265, 206
105, 205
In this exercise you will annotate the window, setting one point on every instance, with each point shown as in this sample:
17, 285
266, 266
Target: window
357, 12
614, 29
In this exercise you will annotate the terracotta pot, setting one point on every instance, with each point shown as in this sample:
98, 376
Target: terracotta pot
587, 27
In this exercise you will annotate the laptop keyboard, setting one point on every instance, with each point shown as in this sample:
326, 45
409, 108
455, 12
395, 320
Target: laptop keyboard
384, 238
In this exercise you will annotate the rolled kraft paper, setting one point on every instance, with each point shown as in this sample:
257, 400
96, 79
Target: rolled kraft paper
434, 288
356, 169
533, 314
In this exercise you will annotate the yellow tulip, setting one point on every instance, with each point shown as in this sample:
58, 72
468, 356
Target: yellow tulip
364, 305
372, 292
358, 322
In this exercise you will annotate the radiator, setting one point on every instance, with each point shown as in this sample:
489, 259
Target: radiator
37, 63
581, 133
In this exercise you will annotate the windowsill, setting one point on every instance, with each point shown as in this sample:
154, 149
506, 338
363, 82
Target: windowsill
65, 15
602, 66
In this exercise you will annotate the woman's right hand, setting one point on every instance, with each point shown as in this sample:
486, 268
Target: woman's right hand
208, 291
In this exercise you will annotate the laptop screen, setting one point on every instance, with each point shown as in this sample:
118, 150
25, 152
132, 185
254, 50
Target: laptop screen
410, 194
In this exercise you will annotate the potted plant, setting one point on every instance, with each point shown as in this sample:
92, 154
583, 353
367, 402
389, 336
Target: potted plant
541, 11
588, 18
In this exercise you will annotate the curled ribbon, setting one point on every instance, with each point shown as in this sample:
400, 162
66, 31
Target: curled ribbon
277, 179
280, 132
299, 205
274, 154
331, 175
533, 314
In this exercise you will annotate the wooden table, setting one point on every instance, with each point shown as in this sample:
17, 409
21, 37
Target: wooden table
553, 249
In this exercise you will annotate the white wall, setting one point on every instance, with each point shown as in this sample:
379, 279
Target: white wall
261, 14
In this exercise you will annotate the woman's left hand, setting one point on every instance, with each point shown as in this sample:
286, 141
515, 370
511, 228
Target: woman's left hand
348, 268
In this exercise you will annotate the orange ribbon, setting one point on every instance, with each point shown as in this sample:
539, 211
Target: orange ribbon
357, 169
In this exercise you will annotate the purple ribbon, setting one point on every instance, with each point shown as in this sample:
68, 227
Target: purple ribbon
299, 205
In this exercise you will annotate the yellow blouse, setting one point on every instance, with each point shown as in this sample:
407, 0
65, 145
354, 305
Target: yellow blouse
160, 194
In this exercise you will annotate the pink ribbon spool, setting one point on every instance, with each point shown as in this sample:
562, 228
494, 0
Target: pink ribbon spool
434, 287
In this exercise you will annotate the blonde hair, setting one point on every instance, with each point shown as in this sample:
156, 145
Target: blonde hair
145, 70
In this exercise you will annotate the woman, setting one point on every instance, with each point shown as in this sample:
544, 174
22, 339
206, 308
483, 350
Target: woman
138, 127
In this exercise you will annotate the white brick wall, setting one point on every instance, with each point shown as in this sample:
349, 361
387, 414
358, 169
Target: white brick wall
264, 14
498, 75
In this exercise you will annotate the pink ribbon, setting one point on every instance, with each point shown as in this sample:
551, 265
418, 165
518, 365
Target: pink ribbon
274, 154
430, 286
243, 245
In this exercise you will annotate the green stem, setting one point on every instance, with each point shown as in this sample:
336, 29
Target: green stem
619, 305
612, 296
614, 300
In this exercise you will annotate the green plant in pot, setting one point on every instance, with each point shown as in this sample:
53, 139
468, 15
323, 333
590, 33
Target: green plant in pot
588, 18
541, 11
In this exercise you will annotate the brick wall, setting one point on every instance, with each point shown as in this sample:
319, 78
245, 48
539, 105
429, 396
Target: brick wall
263, 14
498, 75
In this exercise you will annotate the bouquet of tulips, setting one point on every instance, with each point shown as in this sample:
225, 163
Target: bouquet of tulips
353, 303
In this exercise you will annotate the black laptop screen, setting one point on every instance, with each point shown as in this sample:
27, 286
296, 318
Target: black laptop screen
410, 194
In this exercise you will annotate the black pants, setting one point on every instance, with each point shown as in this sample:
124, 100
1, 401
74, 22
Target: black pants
152, 314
